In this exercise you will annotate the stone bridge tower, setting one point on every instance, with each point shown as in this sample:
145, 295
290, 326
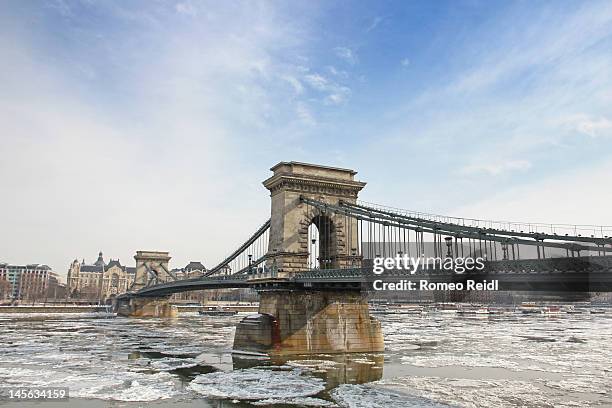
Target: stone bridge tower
151, 268
318, 320
291, 218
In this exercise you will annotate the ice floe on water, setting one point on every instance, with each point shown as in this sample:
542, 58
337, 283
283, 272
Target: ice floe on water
485, 393
165, 364
145, 388
295, 387
299, 401
257, 384
507, 362
464, 360
118, 386
562, 345
369, 396
314, 365
598, 385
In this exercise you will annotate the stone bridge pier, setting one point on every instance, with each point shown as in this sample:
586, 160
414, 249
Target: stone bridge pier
310, 322
151, 268
145, 307
294, 321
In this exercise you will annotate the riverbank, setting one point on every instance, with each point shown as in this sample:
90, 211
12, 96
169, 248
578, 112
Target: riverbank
107, 308
54, 309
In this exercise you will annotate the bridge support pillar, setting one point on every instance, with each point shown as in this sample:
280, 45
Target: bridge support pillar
310, 322
145, 307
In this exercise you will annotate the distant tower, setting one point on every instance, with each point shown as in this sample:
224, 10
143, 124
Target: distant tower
73, 278
151, 268
100, 261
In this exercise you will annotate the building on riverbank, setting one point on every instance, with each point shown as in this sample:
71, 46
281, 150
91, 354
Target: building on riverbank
25, 282
100, 280
193, 269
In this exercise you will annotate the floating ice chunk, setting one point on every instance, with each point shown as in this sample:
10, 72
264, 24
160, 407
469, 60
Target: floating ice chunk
145, 392
465, 392
167, 364
316, 365
300, 401
366, 396
134, 388
598, 385
119, 386
464, 360
256, 384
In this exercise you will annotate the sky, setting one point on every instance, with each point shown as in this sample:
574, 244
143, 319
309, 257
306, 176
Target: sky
151, 124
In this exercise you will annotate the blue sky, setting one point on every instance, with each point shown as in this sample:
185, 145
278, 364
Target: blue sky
151, 124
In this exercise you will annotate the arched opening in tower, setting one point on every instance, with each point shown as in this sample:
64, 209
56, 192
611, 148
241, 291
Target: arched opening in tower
321, 243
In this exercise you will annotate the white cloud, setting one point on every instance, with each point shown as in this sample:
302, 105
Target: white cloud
589, 125
571, 197
515, 95
346, 54
185, 8
61, 6
498, 167
375, 22
317, 81
295, 83
305, 115
148, 157
335, 93
338, 72
340, 95
553, 38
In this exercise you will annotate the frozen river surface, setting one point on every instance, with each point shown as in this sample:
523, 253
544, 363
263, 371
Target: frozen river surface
431, 360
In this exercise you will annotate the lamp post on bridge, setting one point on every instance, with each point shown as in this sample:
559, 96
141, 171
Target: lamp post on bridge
250, 264
400, 253
313, 258
449, 245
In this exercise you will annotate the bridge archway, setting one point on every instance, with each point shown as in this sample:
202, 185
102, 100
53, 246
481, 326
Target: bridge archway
322, 243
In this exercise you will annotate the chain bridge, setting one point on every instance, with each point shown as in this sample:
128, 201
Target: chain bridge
312, 262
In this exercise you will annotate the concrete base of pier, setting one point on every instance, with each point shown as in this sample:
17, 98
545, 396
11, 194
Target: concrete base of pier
146, 307
310, 322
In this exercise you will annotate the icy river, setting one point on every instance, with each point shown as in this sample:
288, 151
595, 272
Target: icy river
431, 360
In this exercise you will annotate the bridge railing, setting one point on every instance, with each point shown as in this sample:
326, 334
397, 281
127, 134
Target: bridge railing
262, 271
588, 267
601, 264
598, 231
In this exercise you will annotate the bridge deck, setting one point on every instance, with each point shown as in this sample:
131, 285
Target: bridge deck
590, 274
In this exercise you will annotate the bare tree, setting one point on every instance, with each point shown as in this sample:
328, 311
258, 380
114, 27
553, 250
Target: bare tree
5, 290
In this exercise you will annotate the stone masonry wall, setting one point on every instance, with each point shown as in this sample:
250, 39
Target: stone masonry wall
311, 322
